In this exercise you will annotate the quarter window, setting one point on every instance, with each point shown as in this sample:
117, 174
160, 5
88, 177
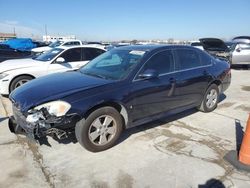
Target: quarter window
205, 59
162, 62
187, 59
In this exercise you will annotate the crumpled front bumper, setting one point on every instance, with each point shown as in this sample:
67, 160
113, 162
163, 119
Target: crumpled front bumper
19, 125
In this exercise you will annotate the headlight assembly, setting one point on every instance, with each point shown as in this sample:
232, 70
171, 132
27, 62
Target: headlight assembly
56, 108
3, 75
50, 109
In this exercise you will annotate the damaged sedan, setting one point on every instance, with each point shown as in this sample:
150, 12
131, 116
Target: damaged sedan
217, 48
119, 89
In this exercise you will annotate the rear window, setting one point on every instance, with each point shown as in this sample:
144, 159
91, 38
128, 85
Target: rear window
187, 58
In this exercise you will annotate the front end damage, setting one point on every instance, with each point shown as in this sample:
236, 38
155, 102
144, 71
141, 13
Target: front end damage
38, 123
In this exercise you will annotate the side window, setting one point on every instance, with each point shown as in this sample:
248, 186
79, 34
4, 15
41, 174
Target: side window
67, 44
162, 62
72, 55
71, 43
205, 58
76, 43
91, 53
245, 46
186, 59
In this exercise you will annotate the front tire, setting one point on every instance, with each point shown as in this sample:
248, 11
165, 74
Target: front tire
100, 130
18, 81
210, 100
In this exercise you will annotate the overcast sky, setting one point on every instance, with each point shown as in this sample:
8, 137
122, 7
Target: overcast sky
129, 19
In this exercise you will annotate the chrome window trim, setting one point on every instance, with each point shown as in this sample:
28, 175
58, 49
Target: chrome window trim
175, 71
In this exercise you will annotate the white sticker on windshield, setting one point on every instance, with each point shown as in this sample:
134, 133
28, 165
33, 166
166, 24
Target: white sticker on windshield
137, 52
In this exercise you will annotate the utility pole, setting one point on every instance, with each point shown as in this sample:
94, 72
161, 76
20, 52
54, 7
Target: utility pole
14, 31
46, 31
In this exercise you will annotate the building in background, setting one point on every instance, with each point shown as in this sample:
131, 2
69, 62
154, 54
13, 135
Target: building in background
48, 38
6, 36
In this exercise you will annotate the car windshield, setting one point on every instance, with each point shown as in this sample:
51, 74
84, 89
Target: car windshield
115, 64
49, 55
231, 45
55, 44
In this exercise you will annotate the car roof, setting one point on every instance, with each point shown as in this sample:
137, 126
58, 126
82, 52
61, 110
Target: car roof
242, 37
153, 47
80, 46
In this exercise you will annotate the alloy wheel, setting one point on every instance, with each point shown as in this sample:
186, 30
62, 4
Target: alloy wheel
21, 82
102, 130
211, 98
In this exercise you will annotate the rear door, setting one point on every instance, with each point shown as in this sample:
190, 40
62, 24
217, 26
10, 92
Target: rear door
73, 60
157, 95
193, 76
91, 53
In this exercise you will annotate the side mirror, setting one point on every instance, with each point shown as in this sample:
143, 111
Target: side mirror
238, 49
60, 60
149, 74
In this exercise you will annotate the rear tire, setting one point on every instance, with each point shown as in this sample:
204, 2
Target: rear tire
100, 130
210, 99
18, 81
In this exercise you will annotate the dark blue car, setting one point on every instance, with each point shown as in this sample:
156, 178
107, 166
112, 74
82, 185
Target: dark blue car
119, 89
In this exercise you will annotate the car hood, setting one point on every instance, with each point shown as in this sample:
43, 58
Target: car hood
213, 44
53, 87
41, 49
14, 64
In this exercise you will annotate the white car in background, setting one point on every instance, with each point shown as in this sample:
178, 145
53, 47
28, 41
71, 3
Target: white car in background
14, 73
197, 45
42, 49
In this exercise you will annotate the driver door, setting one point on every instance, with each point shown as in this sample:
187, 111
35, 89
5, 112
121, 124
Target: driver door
157, 95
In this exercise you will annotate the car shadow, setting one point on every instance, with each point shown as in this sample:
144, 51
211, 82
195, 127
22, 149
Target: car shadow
212, 183
71, 138
222, 97
153, 124
239, 133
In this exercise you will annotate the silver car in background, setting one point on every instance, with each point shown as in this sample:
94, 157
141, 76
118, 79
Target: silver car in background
240, 53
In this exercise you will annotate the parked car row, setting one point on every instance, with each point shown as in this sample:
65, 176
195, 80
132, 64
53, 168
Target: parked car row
26, 48
40, 50
14, 73
119, 89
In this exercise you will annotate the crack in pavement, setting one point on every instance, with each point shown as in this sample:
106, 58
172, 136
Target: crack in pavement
175, 142
38, 158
